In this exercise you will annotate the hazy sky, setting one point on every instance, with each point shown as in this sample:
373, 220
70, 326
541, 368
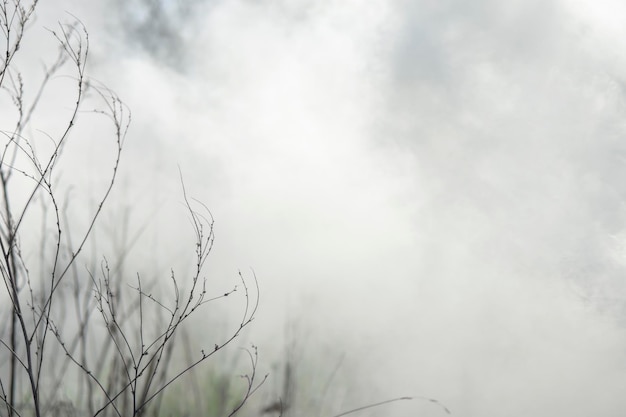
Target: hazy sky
434, 188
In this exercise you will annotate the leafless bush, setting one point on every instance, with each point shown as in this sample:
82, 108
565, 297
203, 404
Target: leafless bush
77, 340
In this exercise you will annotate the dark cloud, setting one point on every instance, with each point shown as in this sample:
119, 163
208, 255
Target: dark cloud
162, 29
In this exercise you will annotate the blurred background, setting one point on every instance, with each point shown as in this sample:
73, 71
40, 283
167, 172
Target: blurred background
430, 193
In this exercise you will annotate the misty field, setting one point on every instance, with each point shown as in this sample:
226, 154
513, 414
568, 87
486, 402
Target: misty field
312, 208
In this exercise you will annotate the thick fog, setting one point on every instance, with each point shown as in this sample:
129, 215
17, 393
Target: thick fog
432, 190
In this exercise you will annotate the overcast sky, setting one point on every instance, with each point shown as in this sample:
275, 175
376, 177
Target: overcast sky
434, 188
